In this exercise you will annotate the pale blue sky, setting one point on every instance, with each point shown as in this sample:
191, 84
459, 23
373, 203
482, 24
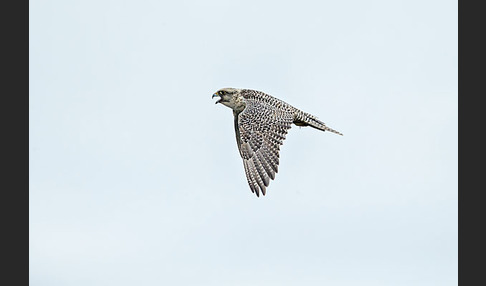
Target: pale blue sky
135, 176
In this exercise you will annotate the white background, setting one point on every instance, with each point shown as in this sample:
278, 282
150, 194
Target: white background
135, 177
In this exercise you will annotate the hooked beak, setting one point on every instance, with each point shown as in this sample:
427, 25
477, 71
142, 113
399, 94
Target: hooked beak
216, 95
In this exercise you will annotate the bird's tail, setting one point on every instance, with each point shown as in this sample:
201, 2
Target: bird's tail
305, 119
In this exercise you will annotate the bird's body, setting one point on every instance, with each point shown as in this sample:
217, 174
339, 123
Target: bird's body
261, 124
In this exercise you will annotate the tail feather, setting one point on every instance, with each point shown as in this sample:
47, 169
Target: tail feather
305, 119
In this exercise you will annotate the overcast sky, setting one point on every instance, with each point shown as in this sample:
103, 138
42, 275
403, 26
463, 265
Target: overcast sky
135, 176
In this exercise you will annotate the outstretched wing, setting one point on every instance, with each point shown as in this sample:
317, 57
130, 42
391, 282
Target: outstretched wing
260, 130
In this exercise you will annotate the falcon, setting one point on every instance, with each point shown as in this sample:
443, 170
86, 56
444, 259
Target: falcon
261, 124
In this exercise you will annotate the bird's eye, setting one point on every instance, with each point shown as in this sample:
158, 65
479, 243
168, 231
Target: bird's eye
221, 92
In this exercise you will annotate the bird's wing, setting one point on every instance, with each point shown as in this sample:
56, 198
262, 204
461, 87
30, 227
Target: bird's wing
260, 130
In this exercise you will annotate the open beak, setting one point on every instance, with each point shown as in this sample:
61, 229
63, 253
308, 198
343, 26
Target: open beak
216, 95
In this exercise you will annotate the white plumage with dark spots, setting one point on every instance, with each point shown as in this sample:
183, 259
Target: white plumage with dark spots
261, 124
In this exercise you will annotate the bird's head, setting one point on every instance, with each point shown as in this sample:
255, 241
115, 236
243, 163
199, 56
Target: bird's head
229, 97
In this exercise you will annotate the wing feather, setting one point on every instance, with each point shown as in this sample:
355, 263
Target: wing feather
261, 129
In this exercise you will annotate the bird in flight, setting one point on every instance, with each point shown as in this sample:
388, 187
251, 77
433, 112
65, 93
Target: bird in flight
261, 124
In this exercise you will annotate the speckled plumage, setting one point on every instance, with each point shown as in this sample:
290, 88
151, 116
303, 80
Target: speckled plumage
261, 124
